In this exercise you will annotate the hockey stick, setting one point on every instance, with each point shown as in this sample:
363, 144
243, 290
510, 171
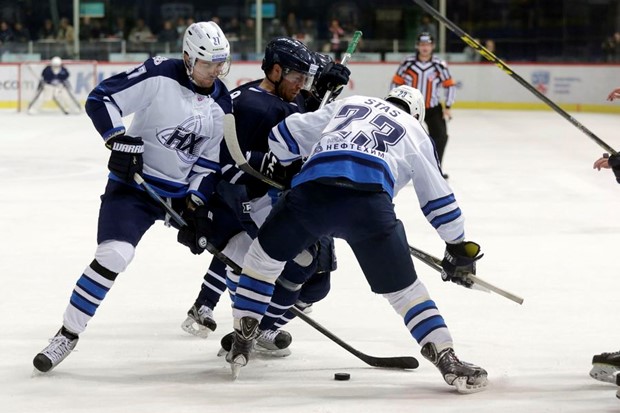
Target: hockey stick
181, 222
499, 63
36, 97
61, 107
404, 362
435, 263
347, 55
230, 136
73, 98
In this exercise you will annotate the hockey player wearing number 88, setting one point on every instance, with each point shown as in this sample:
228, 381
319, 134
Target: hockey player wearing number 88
361, 151
173, 143
54, 85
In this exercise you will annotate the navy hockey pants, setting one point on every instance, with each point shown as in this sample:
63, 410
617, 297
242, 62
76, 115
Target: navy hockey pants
366, 220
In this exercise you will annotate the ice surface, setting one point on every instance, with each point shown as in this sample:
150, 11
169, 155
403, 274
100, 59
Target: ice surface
547, 223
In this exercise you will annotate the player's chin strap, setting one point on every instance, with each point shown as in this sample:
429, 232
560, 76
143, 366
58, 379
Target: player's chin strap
345, 59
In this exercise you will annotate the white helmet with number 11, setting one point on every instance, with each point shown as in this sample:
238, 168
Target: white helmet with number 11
411, 98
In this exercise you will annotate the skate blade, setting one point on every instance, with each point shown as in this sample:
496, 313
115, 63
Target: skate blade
235, 365
266, 353
604, 373
464, 388
192, 327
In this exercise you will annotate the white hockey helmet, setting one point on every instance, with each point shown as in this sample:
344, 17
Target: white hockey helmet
206, 41
56, 64
411, 98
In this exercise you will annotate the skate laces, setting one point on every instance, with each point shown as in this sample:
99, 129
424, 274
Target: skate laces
58, 348
268, 335
205, 312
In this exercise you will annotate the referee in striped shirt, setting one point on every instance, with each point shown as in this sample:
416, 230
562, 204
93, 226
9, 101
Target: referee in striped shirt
429, 74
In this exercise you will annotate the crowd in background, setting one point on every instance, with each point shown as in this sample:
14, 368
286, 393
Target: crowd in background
138, 35
155, 32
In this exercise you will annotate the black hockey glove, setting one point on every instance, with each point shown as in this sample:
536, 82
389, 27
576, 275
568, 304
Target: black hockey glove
273, 169
334, 77
614, 163
459, 260
126, 157
198, 230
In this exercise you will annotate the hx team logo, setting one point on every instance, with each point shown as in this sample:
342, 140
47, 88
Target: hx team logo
185, 139
541, 80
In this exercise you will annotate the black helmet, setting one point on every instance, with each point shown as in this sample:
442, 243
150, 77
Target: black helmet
425, 37
290, 54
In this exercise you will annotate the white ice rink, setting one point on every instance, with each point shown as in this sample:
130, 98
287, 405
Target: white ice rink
547, 222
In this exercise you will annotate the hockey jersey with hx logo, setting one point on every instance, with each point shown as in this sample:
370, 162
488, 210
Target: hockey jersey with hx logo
182, 129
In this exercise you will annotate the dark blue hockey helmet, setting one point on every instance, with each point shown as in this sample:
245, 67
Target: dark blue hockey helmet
321, 60
289, 53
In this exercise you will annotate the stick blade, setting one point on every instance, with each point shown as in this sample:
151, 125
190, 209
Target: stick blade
402, 363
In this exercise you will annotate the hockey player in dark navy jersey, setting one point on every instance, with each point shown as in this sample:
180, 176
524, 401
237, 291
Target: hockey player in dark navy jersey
173, 143
54, 85
259, 105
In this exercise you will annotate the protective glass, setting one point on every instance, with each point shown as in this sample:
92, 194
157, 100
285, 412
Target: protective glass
303, 79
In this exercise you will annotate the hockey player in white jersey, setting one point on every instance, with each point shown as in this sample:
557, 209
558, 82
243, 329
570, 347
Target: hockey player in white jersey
361, 151
173, 143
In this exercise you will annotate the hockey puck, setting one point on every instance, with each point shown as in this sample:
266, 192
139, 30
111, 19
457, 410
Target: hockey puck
342, 376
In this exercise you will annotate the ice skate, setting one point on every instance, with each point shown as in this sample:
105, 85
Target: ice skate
466, 377
243, 341
273, 343
605, 366
269, 343
59, 348
199, 321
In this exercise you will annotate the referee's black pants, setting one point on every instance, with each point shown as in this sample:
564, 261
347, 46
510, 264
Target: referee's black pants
437, 129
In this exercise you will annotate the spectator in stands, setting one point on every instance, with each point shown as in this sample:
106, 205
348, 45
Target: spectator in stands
275, 29
90, 29
168, 34
232, 30
140, 34
471, 55
21, 34
336, 32
6, 33
65, 37
47, 31
489, 44
292, 25
427, 26
180, 27
247, 35
119, 28
65, 31
611, 48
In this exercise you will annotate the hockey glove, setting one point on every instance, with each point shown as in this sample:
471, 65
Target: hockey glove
333, 77
460, 260
614, 163
273, 169
126, 157
198, 230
